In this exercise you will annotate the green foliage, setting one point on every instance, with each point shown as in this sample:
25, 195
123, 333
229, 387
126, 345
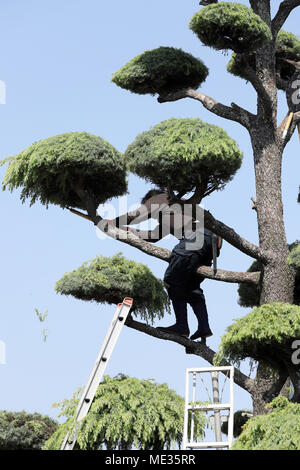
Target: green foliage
109, 280
183, 154
230, 25
265, 335
249, 294
287, 47
129, 412
277, 430
294, 256
24, 431
238, 62
161, 70
68, 407
52, 169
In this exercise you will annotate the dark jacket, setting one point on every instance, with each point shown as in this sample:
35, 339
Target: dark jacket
183, 263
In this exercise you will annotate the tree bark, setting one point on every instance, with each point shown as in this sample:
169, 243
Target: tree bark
264, 383
164, 254
277, 282
191, 347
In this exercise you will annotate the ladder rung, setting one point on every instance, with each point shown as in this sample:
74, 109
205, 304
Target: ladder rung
204, 445
216, 406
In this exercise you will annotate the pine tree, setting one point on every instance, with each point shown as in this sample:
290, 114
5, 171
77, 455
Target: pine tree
72, 170
127, 412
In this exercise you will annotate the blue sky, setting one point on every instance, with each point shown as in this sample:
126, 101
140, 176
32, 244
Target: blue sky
57, 61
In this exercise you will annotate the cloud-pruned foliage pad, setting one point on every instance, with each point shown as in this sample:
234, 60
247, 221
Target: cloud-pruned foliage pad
161, 70
183, 154
287, 47
51, 170
265, 335
230, 25
110, 280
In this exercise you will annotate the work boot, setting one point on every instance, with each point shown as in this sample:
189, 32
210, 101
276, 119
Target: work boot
197, 302
201, 334
174, 329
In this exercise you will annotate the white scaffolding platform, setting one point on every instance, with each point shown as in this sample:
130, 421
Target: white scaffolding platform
192, 406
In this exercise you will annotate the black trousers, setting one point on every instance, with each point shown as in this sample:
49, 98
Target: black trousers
180, 296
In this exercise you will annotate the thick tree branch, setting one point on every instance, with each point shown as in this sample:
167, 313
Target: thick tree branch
283, 13
276, 388
90, 204
233, 113
253, 4
192, 347
135, 241
164, 254
250, 75
209, 221
229, 276
221, 229
263, 9
231, 236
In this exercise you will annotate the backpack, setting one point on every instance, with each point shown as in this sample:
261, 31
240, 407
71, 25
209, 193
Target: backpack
183, 263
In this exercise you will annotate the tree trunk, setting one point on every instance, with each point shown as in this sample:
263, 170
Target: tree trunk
277, 284
277, 280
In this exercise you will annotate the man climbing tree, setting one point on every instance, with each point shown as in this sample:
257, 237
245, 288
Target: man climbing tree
183, 284
188, 157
